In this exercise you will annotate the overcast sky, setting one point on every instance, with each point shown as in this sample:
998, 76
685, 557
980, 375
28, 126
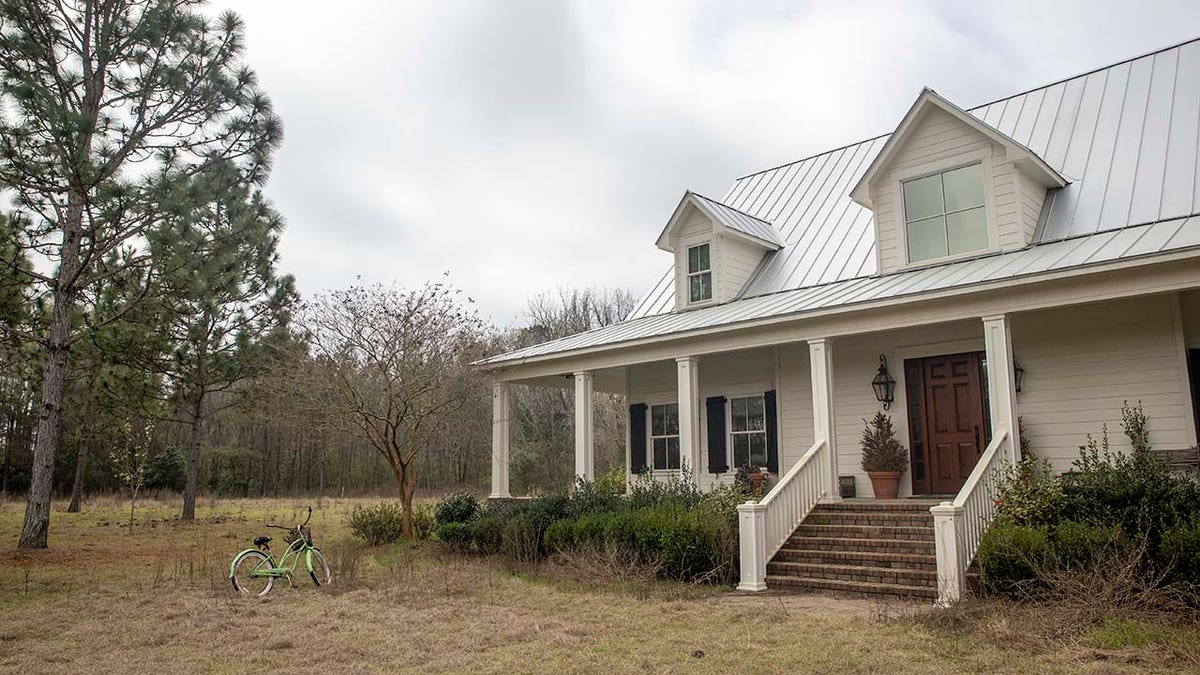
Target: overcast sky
523, 146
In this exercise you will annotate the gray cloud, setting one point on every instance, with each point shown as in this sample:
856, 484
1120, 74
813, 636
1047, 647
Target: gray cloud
525, 145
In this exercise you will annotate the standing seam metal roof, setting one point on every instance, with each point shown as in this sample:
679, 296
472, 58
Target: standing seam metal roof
1127, 136
743, 222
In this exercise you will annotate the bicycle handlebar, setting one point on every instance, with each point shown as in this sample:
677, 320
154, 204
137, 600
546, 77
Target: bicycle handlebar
308, 518
289, 529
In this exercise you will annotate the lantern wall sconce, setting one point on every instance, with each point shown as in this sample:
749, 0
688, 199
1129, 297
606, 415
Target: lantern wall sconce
1018, 374
884, 384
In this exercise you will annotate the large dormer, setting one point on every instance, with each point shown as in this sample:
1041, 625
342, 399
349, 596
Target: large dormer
716, 248
947, 186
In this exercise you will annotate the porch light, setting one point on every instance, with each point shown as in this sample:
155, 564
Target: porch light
1018, 373
884, 384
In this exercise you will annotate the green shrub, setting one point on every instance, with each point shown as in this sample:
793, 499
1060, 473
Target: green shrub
1179, 551
521, 538
1077, 545
487, 535
1010, 556
377, 525
606, 493
560, 536
1029, 493
676, 490
455, 535
423, 521
459, 507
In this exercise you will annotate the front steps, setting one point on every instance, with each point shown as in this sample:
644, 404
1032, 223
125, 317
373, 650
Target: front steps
868, 548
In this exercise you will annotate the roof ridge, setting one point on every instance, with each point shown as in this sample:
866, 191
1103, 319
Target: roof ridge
983, 105
733, 208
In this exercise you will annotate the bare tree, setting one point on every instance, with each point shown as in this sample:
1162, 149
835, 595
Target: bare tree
392, 367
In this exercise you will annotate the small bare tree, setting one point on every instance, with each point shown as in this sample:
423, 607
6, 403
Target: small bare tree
133, 460
391, 367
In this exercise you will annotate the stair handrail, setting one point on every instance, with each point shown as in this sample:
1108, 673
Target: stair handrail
959, 524
764, 526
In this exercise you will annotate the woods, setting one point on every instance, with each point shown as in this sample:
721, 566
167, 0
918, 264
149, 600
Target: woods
141, 290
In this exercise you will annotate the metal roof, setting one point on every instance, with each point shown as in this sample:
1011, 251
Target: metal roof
1126, 136
743, 222
1102, 247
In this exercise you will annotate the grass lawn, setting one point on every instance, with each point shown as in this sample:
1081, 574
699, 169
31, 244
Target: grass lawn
105, 599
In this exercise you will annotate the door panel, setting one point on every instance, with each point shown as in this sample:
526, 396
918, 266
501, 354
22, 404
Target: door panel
952, 408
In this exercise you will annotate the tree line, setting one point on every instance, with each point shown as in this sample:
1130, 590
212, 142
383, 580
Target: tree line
149, 339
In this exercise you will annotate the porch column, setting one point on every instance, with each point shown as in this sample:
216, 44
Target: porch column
688, 370
820, 366
1002, 389
584, 438
500, 414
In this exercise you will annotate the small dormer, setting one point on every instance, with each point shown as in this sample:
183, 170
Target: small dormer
716, 248
947, 186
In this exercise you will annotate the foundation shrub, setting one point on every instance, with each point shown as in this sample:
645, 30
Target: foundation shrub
1010, 556
1179, 552
459, 507
487, 533
1077, 545
458, 536
377, 525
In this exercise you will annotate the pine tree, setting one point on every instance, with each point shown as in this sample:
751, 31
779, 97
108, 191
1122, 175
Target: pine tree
108, 105
226, 299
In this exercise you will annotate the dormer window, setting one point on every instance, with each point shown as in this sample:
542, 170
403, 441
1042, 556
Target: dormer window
944, 214
699, 277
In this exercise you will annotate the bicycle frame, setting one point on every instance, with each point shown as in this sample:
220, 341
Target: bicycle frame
282, 568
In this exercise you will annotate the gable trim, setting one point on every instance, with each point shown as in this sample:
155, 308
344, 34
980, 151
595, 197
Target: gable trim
1015, 152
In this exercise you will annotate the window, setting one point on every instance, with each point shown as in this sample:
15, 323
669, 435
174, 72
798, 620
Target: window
699, 276
664, 436
944, 214
748, 429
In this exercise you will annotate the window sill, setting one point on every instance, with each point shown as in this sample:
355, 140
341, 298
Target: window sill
934, 262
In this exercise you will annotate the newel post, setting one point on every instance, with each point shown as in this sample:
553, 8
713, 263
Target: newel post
752, 546
945, 535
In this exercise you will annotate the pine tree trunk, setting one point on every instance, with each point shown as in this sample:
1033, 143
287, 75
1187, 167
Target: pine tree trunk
81, 454
193, 468
36, 527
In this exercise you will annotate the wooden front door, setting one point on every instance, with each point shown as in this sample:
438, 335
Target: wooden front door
947, 420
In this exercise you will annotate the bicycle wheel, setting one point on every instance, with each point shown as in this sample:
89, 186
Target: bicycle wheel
241, 574
318, 569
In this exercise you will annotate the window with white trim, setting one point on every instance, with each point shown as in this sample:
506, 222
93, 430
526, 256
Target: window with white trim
664, 436
699, 278
748, 431
944, 214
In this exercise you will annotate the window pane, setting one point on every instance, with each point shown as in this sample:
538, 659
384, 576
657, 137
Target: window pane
705, 285
694, 291
967, 230
741, 450
964, 187
671, 427
927, 239
660, 453
738, 414
657, 416
756, 419
758, 449
702, 253
693, 259
672, 453
923, 198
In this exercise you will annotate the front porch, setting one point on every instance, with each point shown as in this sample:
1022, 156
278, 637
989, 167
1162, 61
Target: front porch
797, 407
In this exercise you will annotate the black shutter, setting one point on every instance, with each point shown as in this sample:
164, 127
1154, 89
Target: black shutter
637, 438
717, 460
772, 432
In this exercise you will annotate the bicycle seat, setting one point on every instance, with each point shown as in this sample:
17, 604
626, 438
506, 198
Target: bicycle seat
261, 541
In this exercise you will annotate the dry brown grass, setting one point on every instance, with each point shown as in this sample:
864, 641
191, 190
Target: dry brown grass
105, 599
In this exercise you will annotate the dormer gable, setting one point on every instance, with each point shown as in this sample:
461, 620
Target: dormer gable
946, 186
716, 247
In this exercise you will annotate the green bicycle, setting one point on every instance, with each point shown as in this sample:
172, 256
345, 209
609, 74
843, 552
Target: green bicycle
254, 570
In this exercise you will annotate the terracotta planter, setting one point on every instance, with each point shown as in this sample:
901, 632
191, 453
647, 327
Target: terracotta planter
886, 484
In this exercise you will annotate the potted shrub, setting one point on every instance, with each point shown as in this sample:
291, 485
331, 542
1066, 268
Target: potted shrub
884, 457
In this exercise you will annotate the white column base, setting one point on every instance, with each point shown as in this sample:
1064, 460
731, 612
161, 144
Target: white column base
950, 579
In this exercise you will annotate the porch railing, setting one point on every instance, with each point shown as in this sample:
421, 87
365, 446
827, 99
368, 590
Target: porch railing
764, 526
959, 525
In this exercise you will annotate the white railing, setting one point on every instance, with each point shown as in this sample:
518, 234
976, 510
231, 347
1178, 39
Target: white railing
763, 527
959, 525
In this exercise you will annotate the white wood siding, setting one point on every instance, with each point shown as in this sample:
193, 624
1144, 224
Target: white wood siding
939, 142
739, 259
697, 231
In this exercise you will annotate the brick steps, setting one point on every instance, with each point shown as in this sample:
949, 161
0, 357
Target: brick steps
860, 548
857, 589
